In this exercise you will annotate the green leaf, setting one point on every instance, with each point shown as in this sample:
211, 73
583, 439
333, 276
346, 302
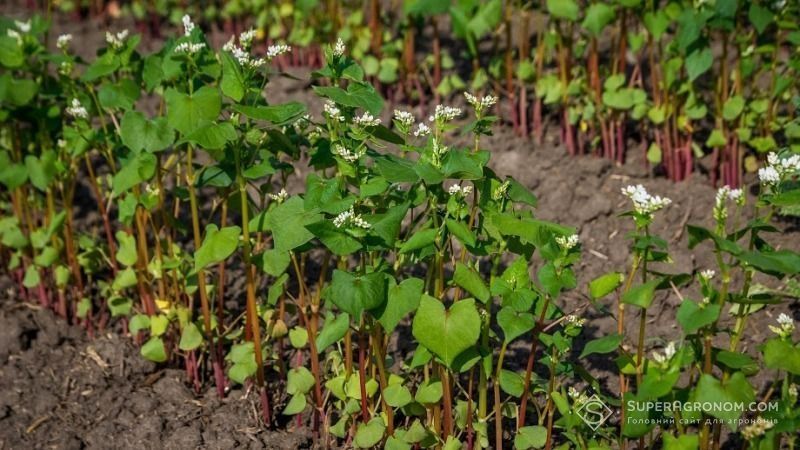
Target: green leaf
782, 355
138, 133
274, 262
429, 392
276, 114
682, 442
126, 251
735, 390
716, 139
355, 293
654, 153
418, 240
471, 281
733, 107
534, 436
461, 231
598, 15
212, 136
563, 9
397, 396
760, 17
139, 168
299, 381
357, 95
288, 223
191, 338
603, 345
11, 53
232, 83
332, 331
337, 240
295, 406
186, 112
514, 324
402, 299
692, 316
698, 63
138, 323
605, 284
217, 246
370, 434
781, 262
446, 333
641, 295
153, 350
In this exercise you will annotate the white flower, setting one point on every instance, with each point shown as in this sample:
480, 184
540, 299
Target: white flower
347, 155
785, 326
669, 352
578, 397
778, 169
461, 191
367, 120
189, 48
768, 175
339, 48
349, 217
500, 191
404, 118
333, 111
575, 320
758, 428
188, 25
14, 34
736, 196
280, 197
77, 110
65, 68
793, 391
24, 27
116, 40
63, 41
480, 104
277, 50
644, 203
707, 274
444, 114
246, 38
422, 130
567, 242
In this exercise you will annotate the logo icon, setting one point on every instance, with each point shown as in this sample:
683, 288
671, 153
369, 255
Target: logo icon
594, 412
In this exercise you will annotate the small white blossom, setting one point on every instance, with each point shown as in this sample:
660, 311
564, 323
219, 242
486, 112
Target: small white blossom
578, 397
77, 110
189, 48
333, 111
367, 120
567, 242
65, 68
663, 358
277, 50
785, 326
644, 203
575, 320
24, 27
347, 155
152, 189
736, 196
404, 118
458, 190
480, 104
793, 391
14, 34
350, 218
63, 41
422, 130
116, 40
188, 25
444, 114
768, 175
246, 38
339, 48
778, 169
758, 428
280, 197
707, 274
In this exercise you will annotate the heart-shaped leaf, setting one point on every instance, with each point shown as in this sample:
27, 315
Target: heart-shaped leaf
446, 333
354, 294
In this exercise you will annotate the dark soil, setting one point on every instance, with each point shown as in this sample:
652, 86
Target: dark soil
58, 389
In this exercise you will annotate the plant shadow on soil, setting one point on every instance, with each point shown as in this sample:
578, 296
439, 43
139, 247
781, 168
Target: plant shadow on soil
58, 389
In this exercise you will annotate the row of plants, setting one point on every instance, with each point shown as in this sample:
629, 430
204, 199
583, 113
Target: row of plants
406, 296
682, 78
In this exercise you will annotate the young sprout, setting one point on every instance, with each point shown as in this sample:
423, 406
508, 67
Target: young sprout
785, 326
76, 110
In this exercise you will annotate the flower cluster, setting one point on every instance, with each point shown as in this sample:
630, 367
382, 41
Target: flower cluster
669, 352
188, 25
280, 197
347, 155
77, 110
785, 326
116, 40
350, 218
459, 191
480, 104
333, 111
707, 274
758, 428
444, 114
276, 50
644, 203
339, 48
189, 48
24, 27
246, 38
422, 130
63, 42
578, 397
724, 193
567, 242
778, 169
501, 191
575, 320
367, 120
